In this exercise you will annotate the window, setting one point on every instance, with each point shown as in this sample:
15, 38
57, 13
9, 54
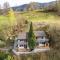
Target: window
42, 37
21, 45
20, 40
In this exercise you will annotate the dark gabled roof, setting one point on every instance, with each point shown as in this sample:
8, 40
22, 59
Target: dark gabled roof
23, 35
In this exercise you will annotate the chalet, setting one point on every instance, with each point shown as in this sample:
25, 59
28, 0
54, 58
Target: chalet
21, 43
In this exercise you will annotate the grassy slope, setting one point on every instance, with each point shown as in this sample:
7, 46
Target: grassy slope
37, 16
3, 19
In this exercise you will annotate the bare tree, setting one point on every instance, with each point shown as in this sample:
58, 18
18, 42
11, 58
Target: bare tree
33, 6
58, 6
0, 10
6, 7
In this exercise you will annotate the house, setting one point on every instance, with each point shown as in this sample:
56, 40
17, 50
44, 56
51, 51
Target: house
21, 43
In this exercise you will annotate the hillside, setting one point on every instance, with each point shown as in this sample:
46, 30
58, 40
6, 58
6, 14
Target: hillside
36, 5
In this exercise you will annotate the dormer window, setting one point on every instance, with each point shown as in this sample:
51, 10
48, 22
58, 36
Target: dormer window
42, 37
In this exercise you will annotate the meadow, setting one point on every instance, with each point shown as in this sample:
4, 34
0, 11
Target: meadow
34, 16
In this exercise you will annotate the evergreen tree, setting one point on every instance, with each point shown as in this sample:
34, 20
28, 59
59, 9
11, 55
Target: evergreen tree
31, 38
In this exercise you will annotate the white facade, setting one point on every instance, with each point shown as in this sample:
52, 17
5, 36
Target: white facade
41, 41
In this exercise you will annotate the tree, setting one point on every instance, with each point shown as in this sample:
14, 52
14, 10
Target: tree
31, 38
2, 55
22, 23
33, 6
11, 17
9, 57
6, 5
6, 56
52, 7
6, 8
58, 6
0, 10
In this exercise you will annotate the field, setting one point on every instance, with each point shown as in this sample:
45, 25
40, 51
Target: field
37, 16
34, 16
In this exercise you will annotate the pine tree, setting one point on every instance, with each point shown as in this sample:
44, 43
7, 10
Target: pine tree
31, 38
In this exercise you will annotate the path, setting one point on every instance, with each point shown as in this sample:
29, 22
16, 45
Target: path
34, 51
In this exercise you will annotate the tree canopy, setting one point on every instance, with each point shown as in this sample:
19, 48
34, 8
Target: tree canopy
31, 38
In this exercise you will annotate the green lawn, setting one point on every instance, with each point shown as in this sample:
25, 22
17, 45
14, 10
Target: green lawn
3, 19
